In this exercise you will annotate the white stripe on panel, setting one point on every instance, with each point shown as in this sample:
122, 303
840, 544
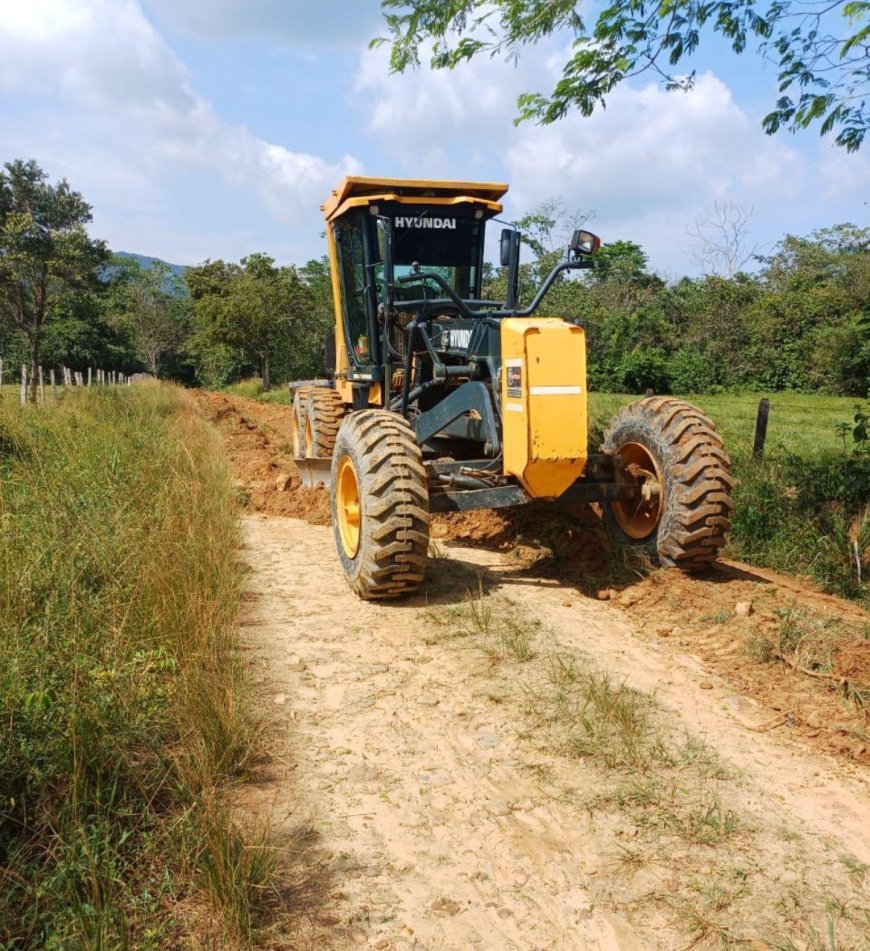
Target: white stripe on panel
555, 390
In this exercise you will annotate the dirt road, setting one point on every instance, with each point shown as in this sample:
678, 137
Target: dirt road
474, 778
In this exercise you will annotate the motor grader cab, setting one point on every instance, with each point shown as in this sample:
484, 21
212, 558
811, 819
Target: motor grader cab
441, 401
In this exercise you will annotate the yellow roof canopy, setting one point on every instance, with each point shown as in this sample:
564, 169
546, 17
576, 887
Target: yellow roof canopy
356, 190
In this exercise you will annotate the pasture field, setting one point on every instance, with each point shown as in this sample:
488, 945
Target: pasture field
801, 423
123, 701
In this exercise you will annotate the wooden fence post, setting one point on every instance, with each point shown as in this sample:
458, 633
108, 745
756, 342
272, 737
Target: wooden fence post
1, 371
761, 428
89, 375
23, 385
51, 379
41, 387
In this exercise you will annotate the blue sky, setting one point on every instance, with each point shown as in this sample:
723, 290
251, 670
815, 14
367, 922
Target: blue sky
213, 128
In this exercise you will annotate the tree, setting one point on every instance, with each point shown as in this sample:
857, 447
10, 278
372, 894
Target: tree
821, 49
45, 253
253, 311
721, 239
150, 304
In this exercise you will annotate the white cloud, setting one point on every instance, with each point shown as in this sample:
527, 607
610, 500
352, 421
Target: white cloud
303, 23
648, 164
108, 104
432, 120
653, 161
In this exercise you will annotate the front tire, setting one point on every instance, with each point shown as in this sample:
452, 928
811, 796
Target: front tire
380, 505
683, 524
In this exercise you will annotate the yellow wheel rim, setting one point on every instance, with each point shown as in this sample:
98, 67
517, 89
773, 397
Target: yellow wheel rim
640, 517
347, 506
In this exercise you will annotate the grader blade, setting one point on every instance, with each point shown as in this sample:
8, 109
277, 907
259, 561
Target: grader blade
314, 472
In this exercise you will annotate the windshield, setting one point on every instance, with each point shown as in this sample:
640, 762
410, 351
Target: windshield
445, 240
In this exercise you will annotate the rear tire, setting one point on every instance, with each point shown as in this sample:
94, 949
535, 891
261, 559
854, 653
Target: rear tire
380, 505
324, 411
687, 525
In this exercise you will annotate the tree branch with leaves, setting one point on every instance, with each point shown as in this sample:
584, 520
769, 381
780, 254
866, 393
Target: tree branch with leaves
821, 50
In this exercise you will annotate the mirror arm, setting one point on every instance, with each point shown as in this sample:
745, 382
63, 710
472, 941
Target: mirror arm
548, 283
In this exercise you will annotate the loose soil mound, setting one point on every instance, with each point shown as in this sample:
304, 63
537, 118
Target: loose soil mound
805, 663
852, 662
258, 439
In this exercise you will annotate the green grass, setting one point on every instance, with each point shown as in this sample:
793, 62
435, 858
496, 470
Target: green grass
800, 423
252, 389
123, 703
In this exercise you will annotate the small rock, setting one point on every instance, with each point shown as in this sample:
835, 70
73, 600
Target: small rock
447, 906
279, 698
383, 943
428, 700
362, 773
630, 597
706, 685
504, 912
486, 740
385, 898
677, 632
282, 482
605, 595
566, 604
436, 777
499, 808
743, 608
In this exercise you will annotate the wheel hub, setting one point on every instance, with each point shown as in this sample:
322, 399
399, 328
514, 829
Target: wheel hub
348, 507
640, 516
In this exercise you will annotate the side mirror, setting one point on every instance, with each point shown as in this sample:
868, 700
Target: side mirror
510, 258
584, 243
510, 240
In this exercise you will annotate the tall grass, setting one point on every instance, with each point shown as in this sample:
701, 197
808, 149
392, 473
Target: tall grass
123, 707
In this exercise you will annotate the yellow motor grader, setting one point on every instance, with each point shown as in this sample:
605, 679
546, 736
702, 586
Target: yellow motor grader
440, 401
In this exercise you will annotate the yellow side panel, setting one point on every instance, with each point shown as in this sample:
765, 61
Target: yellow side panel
340, 351
544, 403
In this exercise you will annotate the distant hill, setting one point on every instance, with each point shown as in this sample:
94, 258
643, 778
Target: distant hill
144, 261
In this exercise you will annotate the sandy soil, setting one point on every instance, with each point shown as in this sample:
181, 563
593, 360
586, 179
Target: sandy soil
442, 810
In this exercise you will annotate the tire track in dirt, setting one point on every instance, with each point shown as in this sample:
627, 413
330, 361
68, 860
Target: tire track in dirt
442, 819
447, 824
439, 837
